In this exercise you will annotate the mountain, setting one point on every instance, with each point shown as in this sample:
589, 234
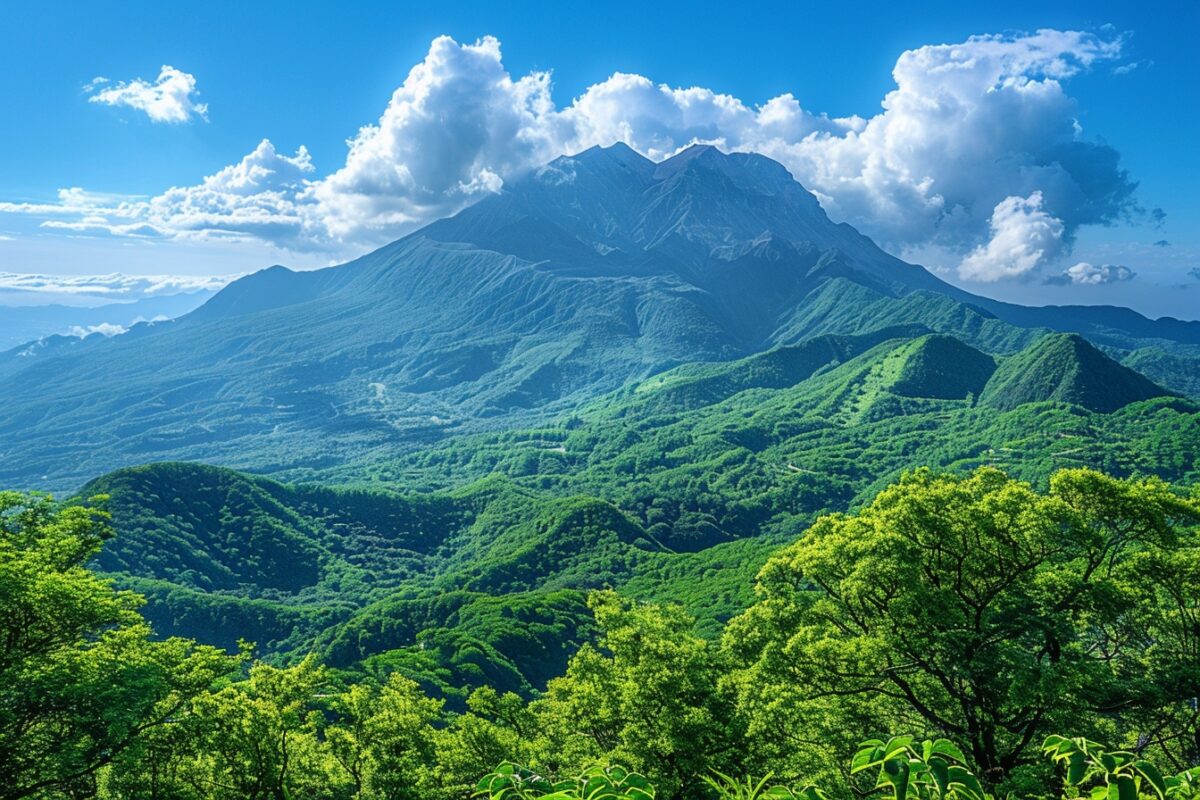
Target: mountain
942, 367
594, 272
24, 324
1065, 368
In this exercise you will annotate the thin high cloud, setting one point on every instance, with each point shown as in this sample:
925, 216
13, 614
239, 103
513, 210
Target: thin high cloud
116, 287
977, 142
169, 98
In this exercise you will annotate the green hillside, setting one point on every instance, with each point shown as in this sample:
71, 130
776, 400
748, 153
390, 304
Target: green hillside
673, 489
943, 367
1065, 368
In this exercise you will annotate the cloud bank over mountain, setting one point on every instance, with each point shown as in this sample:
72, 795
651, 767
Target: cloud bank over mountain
114, 287
977, 151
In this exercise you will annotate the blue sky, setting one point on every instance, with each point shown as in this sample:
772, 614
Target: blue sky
306, 74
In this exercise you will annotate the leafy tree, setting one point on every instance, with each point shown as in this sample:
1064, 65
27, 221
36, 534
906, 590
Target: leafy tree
978, 608
497, 727
261, 738
81, 680
384, 739
646, 696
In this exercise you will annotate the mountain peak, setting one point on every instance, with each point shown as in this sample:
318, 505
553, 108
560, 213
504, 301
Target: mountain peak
1066, 368
692, 154
618, 153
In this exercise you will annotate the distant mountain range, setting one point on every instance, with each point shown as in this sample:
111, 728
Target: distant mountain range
25, 324
596, 272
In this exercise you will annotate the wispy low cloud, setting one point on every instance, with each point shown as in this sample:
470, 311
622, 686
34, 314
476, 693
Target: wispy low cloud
260, 198
115, 287
170, 98
1132, 66
104, 329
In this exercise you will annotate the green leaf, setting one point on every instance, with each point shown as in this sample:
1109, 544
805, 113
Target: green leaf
1152, 776
1076, 768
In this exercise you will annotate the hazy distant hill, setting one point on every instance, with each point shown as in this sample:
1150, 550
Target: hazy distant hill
23, 324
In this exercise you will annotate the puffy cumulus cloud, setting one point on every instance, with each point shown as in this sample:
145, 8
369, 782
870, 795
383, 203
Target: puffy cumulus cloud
1023, 237
261, 196
967, 127
456, 127
115, 286
658, 120
1092, 275
170, 98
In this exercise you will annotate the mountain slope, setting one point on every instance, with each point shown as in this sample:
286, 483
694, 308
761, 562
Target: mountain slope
1065, 368
597, 271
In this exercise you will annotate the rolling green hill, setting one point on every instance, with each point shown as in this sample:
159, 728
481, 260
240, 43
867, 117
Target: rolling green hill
466, 562
1066, 369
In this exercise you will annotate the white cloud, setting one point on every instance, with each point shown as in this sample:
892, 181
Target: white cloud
115, 287
1091, 275
258, 197
1023, 237
1126, 69
457, 124
167, 99
968, 126
104, 329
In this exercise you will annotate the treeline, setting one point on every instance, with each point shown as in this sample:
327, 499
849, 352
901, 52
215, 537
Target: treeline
971, 608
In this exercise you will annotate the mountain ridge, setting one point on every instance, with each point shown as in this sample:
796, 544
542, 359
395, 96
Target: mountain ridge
598, 270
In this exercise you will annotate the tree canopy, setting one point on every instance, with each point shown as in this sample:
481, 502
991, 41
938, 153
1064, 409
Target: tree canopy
978, 608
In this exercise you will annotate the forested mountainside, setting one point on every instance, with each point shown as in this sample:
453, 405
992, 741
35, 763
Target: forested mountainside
971, 604
673, 489
598, 270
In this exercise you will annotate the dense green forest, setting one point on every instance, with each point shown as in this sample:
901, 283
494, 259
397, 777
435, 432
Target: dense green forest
973, 608
468, 564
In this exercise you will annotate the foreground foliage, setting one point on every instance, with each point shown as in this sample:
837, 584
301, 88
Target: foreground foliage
970, 609
81, 679
935, 769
